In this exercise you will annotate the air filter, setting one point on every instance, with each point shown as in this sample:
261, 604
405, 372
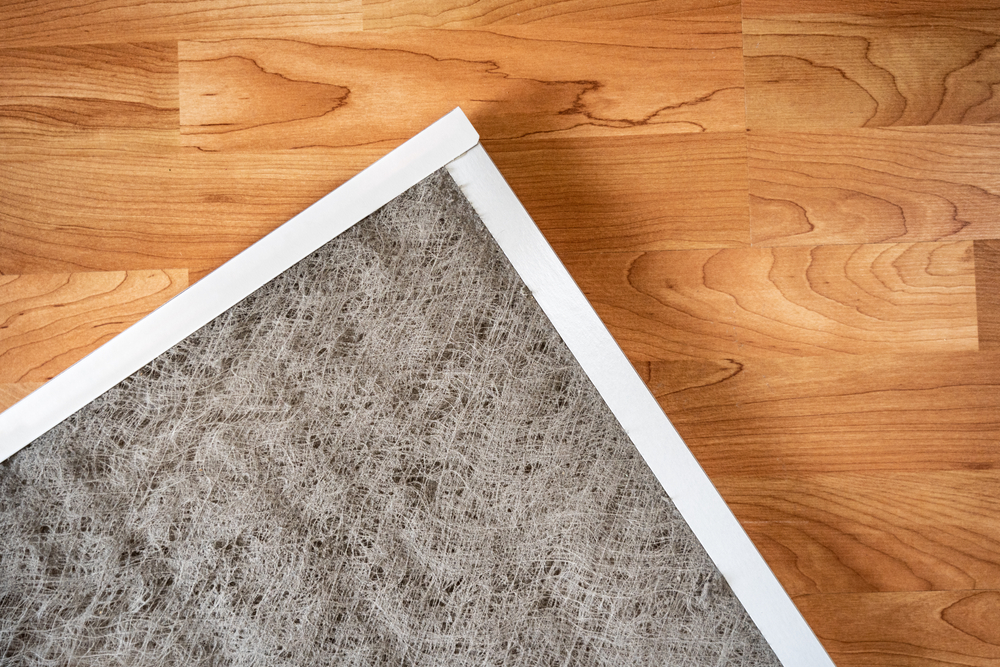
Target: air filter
392, 432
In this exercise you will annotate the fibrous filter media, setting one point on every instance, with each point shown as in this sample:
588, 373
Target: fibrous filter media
384, 456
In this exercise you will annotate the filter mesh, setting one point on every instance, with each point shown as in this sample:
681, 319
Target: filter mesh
385, 456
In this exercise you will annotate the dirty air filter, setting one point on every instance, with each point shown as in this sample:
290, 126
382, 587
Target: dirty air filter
385, 455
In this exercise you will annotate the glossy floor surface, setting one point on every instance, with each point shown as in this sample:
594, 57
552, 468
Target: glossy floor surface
787, 213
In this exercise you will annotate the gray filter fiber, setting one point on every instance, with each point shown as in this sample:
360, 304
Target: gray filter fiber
384, 456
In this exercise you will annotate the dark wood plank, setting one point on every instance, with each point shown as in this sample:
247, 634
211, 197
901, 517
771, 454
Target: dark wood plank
921, 629
234, 94
592, 194
988, 293
59, 22
784, 302
874, 186
64, 100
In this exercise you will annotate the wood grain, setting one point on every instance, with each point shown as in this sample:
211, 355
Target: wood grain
866, 532
988, 293
784, 302
48, 322
874, 186
64, 100
137, 211
685, 190
350, 91
48, 22
907, 629
835, 414
841, 70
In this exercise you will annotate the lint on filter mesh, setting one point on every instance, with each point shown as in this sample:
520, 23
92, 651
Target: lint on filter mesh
393, 432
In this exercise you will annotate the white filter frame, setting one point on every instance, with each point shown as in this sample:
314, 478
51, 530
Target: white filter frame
451, 142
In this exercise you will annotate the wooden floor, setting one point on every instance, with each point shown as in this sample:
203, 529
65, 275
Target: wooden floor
787, 213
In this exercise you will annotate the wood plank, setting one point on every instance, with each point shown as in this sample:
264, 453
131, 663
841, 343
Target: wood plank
234, 94
87, 99
862, 532
50, 321
47, 22
681, 24
704, 29
835, 413
962, 12
715, 32
922, 629
383, 14
988, 293
824, 71
784, 302
11, 393
593, 194
136, 211
874, 186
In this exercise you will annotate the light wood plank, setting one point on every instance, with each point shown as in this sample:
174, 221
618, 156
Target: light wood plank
936, 629
58, 22
382, 14
136, 211
861, 532
11, 393
715, 30
89, 99
650, 193
988, 293
874, 186
350, 91
824, 71
784, 302
681, 24
50, 321
836, 413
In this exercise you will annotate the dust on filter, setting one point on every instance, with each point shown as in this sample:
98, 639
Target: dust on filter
384, 456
